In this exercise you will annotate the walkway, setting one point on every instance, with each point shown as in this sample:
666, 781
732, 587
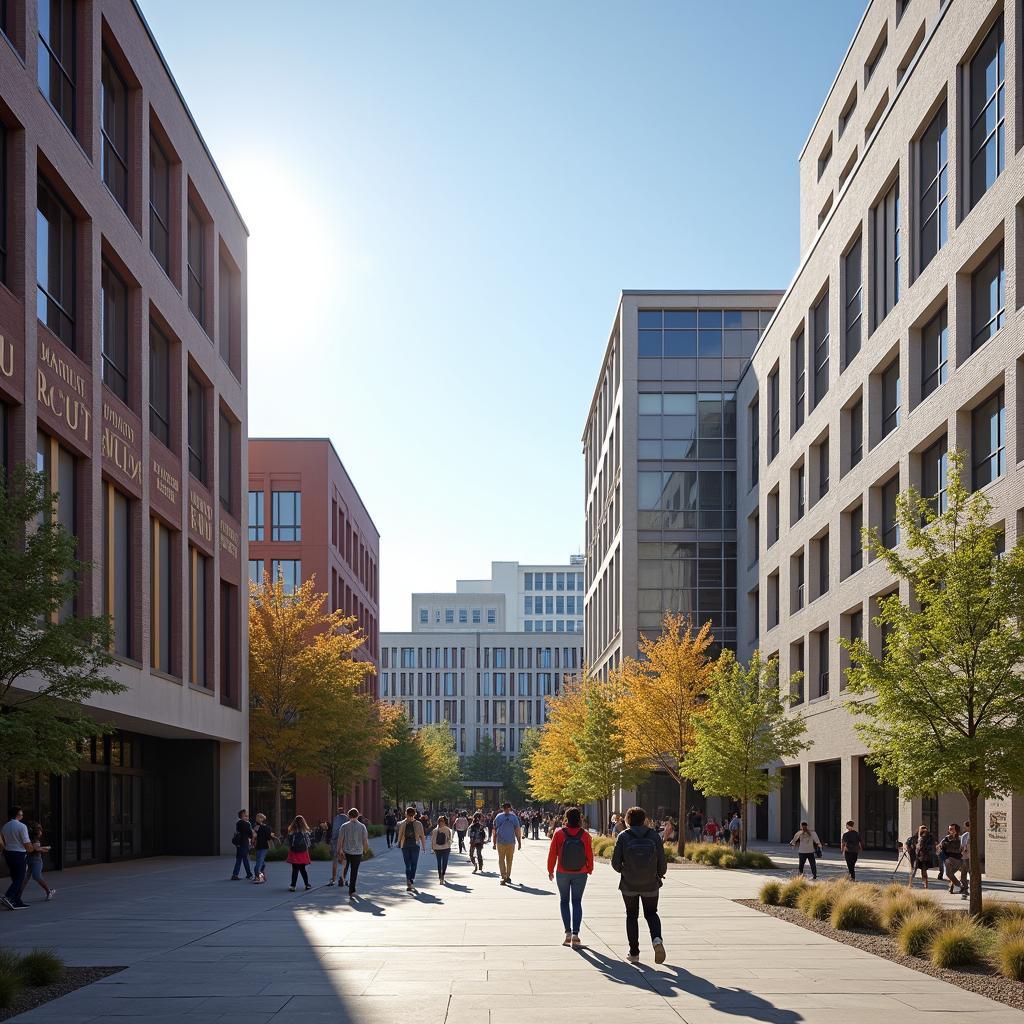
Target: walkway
203, 949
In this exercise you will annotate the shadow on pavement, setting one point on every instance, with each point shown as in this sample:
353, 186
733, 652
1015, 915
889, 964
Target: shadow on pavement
530, 889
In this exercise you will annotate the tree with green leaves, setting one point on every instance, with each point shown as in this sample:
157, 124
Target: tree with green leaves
442, 763
403, 765
518, 788
743, 728
487, 763
943, 706
51, 664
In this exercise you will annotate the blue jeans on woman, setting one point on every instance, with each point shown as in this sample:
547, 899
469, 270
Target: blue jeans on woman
570, 887
261, 859
242, 861
411, 856
442, 861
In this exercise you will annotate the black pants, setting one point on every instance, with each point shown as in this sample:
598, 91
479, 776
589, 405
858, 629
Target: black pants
808, 858
462, 841
476, 856
353, 860
299, 869
392, 835
650, 905
851, 862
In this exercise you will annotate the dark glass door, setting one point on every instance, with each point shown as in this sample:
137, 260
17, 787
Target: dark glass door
879, 811
827, 782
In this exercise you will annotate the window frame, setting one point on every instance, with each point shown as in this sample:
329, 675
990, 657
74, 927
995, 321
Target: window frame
933, 215
65, 304
108, 146
116, 377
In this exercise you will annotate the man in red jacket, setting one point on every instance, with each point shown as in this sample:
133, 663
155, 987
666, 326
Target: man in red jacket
570, 861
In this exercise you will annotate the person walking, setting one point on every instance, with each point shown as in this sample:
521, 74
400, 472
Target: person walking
535, 824
851, 846
353, 845
262, 845
16, 842
412, 838
461, 828
507, 834
924, 848
337, 854
34, 862
477, 839
735, 828
298, 851
441, 844
390, 827
570, 863
808, 848
639, 858
242, 841
951, 856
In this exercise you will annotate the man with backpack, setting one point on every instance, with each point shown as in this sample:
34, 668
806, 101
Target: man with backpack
639, 858
572, 854
507, 833
411, 837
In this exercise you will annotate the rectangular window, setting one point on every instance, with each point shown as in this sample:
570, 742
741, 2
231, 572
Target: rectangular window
476, 616
891, 397
159, 386
823, 566
773, 600
857, 539
854, 289
799, 381
159, 204
823, 480
492, 616
933, 214
934, 465
226, 310
799, 492
196, 429
56, 69
196, 266
856, 432
229, 685
118, 600
114, 331
423, 616
988, 299
821, 689
986, 82
199, 567
799, 583
988, 441
226, 462
890, 525
162, 604
286, 515
755, 443
773, 414
773, 517
821, 344
934, 353
3, 203
256, 515
288, 571
797, 668
114, 131
55, 264
463, 617
885, 219
256, 576
60, 469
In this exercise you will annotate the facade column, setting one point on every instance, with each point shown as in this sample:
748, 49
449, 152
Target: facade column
807, 774
849, 799
911, 815
1002, 830
234, 790
774, 799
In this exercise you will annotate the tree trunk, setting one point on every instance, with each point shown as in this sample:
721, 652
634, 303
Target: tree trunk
682, 816
277, 804
744, 807
974, 868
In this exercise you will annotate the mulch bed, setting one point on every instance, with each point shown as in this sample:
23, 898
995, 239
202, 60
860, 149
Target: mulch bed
74, 977
981, 979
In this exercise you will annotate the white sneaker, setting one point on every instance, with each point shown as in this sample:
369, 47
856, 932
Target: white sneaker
633, 958
50, 895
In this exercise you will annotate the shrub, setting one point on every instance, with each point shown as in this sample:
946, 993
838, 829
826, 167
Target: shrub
895, 910
769, 894
816, 902
9, 961
41, 967
917, 931
1011, 928
376, 831
278, 852
958, 945
996, 912
730, 860
320, 851
854, 911
10, 986
791, 891
895, 889
755, 859
1009, 955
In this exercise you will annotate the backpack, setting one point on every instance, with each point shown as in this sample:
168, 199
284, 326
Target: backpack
409, 835
574, 853
298, 843
640, 861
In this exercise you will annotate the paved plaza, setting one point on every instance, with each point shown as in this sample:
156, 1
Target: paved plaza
200, 948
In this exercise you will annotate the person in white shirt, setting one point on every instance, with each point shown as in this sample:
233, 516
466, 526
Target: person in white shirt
353, 844
461, 827
808, 845
16, 846
965, 851
337, 855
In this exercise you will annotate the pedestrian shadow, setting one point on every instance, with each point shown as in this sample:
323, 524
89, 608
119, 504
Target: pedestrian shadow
669, 981
365, 906
426, 897
531, 890
456, 887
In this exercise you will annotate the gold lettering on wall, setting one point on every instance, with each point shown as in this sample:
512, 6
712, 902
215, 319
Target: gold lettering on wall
228, 539
6, 357
72, 407
200, 516
166, 483
118, 441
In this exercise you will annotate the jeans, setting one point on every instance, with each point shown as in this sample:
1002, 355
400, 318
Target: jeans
942, 864
696, 830
806, 858
17, 862
411, 855
392, 834
462, 841
299, 869
570, 888
442, 861
261, 860
505, 853
242, 861
476, 856
851, 862
354, 860
650, 904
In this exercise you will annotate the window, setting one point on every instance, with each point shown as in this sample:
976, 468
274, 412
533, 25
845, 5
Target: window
196, 429
986, 81
226, 462
163, 609
57, 56
286, 515
821, 342
114, 331
449, 616
199, 569
289, 571
159, 204
463, 617
114, 131
875, 57
476, 617
159, 386
423, 616
226, 310
799, 380
55, 264
853, 292
799, 492
3, 203
796, 668
773, 414
823, 566
755, 442
856, 432
988, 299
773, 600
890, 525
773, 517
891, 397
825, 158
196, 265
857, 539
823, 481
229, 682
821, 689
848, 108
988, 441
934, 465
934, 354
798, 582
256, 514
885, 218
934, 177
118, 599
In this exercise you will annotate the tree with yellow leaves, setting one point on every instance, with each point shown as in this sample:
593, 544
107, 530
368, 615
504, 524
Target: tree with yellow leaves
551, 770
662, 696
303, 680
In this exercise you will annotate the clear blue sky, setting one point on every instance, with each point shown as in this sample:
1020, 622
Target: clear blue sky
444, 201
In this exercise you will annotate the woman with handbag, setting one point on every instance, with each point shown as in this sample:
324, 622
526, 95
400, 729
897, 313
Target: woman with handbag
808, 848
298, 850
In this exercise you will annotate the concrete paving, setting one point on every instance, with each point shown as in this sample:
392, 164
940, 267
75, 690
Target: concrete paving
200, 948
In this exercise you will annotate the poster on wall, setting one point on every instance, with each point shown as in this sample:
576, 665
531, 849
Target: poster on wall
996, 831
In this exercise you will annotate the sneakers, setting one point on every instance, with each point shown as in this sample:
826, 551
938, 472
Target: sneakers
50, 893
568, 939
659, 951
234, 878
633, 958
331, 882
6, 902
291, 888
308, 887
20, 906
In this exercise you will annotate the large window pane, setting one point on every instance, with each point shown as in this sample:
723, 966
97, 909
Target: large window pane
988, 441
159, 204
934, 178
114, 331
986, 84
114, 131
196, 429
821, 348
853, 292
934, 353
988, 299
286, 515
56, 56
55, 265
